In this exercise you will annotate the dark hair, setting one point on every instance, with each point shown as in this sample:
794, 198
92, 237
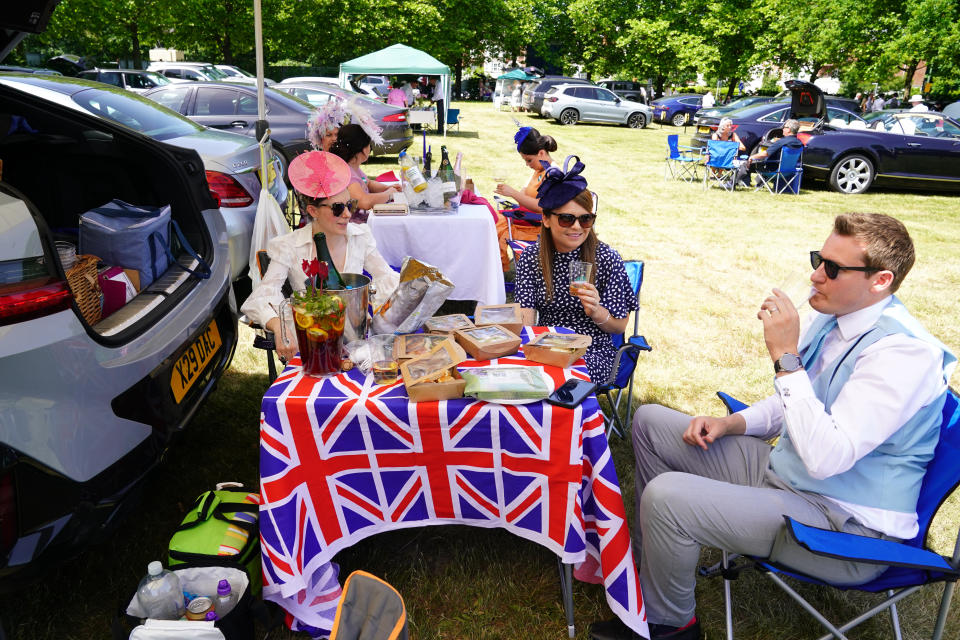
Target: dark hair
887, 244
588, 250
534, 142
350, 141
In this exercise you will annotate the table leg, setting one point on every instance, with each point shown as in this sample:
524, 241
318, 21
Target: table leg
566, 589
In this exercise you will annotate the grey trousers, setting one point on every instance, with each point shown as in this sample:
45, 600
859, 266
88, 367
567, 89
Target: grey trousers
725, 497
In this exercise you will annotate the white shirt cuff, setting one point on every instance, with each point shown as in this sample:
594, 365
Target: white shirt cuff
794, 388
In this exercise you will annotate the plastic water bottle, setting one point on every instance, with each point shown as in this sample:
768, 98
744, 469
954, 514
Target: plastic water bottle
159, 593
225, 600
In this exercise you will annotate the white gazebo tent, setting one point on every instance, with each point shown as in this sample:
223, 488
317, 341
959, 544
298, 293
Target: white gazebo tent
399, 59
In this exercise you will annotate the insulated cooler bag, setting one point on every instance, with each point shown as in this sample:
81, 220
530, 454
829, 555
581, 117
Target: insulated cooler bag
221, 530
135, 237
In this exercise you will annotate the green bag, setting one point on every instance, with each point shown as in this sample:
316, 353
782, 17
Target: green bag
221, 530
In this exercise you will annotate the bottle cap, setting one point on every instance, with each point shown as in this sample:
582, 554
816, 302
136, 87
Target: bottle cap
155, 568
403, 152
212, 615
223, 588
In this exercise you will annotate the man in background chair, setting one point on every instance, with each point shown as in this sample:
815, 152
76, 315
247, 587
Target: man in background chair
771, 155
857, 407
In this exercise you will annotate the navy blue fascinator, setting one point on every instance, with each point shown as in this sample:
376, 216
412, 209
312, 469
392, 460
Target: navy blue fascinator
560, 186
521, 135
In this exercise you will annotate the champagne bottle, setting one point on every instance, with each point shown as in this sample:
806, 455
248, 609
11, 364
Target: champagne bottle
447, 179
333, 281
411, 172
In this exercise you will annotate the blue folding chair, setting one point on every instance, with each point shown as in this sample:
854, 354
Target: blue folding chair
719, 168
911, 565
785, 176
681, 161
625, 362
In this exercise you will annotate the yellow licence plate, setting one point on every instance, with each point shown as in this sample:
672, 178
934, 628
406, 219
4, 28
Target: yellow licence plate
703, 129
194, 360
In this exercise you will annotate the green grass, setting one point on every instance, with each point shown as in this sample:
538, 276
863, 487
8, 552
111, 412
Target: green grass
710, 259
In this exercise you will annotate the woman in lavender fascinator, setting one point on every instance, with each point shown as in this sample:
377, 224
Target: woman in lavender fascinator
534, 149
597, 307
320, 180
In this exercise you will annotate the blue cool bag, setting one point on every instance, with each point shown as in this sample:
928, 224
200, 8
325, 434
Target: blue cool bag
134, 237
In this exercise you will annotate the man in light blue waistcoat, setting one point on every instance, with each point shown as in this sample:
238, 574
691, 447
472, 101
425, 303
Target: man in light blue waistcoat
857, 408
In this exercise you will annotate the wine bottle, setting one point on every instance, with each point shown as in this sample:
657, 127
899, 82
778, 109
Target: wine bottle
333, 281
447, 179
426, 161
411, 173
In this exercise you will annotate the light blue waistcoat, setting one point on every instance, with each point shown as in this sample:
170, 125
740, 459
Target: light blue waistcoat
889, 477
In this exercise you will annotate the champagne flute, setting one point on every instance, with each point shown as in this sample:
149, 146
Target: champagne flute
797, 286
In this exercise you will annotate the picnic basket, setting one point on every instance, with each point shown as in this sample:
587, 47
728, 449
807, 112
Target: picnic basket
83, 283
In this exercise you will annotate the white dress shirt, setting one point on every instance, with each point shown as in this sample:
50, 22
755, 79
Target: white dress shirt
892, 379
287, 252
437, 92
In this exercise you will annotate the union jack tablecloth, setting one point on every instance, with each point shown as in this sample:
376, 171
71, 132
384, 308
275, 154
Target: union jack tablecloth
342, 459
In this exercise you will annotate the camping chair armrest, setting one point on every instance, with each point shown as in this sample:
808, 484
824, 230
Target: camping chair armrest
634, 343
854, 548
732, 404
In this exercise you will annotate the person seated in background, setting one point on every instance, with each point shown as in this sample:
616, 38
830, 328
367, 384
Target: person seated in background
353, 146
534, 149
320, 180
397, 97
726, 133
596, 308
324, 125
771, 155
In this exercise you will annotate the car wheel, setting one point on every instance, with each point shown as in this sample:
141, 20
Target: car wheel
637, 121
568, 116
852, 174
679, 119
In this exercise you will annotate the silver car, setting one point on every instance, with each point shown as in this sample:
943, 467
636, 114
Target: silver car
573, 103
87, 409
129, 79
230, 159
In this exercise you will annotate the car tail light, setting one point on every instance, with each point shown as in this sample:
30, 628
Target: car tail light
552, 99
395, 117
33, 299
227, 191
8, 513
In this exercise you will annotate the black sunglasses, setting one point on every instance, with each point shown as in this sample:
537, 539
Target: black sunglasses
831, 268
338, 207
567, 219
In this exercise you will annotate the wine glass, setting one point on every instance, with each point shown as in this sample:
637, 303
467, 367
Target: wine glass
580, 272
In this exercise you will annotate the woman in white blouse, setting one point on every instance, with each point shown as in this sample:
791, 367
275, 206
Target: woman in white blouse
320, 179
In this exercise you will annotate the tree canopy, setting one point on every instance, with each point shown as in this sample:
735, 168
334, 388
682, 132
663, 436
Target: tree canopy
865, 43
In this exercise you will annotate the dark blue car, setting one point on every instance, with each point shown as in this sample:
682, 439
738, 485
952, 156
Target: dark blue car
904, 150
677, 110
753, 122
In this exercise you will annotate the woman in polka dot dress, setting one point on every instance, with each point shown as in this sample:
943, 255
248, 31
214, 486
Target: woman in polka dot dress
601, 306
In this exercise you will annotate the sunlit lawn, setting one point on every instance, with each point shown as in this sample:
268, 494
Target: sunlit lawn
710, 259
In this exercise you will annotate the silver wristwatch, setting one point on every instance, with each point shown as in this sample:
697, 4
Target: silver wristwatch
788, 362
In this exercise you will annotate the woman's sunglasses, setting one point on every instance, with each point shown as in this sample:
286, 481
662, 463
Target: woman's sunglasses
567, 219
338, 207
831, 268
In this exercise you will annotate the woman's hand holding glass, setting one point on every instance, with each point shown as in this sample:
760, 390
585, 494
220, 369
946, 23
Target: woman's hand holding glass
505, 190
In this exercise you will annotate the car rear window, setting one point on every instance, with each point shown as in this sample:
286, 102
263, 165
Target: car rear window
215, 102
172, 98
135, 112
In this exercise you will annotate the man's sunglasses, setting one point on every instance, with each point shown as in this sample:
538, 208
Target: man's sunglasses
567, 219
338, 207
831, 268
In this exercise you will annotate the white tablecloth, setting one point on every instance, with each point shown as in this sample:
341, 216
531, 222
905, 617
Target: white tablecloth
462, 245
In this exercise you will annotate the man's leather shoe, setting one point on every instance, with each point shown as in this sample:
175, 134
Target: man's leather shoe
615, 630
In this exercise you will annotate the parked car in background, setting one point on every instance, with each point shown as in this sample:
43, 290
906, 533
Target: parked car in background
325, 79
134, 80
733, 105
233, 107
88, 409
379, 84
397, 134
534, 92
903, 150
678, 110
231, 161
236, 74
194, 71
37, 70
753, 122
952, 110
626, 89
572, 103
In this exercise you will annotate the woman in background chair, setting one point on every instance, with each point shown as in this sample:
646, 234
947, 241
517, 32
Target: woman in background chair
534, 150
599, 307
320, 180
726, 133
353, 146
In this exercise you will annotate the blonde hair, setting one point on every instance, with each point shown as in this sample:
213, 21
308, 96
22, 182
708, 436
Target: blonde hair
887, 244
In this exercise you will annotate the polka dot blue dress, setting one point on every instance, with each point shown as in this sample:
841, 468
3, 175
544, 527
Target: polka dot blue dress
566, 310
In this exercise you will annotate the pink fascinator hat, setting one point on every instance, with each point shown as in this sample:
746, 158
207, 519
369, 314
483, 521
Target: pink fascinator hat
319, 174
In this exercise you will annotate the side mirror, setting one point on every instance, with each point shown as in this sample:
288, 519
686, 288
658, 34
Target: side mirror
617, 100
